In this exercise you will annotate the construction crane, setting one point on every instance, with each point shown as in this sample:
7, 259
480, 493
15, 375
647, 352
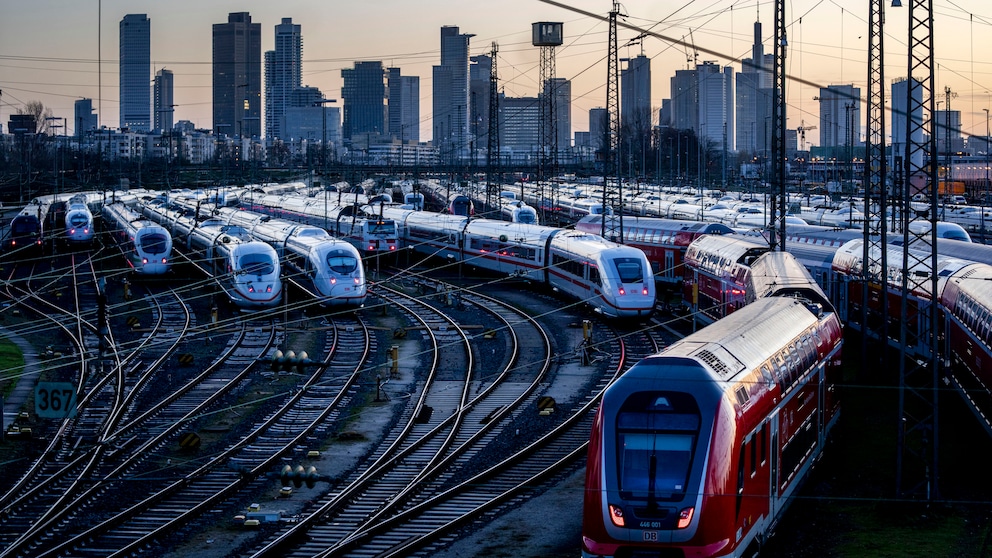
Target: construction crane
802, 134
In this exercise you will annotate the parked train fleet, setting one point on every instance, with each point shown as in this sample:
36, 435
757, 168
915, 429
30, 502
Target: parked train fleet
696, 450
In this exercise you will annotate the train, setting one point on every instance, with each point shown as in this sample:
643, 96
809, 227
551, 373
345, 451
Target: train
246, 270
79, 227
699, 449
364, 229
329, 268
147, 246
663, 241
615, 280
26, 230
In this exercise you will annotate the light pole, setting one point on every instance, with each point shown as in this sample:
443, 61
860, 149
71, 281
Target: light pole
986, 192
323, 141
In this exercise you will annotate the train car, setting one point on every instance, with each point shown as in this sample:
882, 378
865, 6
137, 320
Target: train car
329, 268
246, 270
717, 275
460, 204
147, 246
79, 227
663, 241
966, 301
698, 450
26, 230
369, 233
613, 279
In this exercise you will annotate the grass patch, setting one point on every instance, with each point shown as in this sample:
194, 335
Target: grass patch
11, 365
903, 535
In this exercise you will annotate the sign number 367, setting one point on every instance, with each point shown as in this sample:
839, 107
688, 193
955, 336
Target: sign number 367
54, 400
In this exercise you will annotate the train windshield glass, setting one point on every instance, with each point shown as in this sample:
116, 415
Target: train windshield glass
256, 264
154, 243
341, 262
629, 270
78, 219
656, 434
382, 227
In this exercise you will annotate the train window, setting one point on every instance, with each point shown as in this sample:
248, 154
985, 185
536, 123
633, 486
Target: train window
629, 269
154, 243
754, 457
341, 262
256, 264
594, 276
656, 434
764, 443
766, 375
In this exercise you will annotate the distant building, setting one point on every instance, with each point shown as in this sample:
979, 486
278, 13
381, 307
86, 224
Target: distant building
451, 95
840, 115
403, 94
84, 118
163, 100
685, 100
753, 99
519, 121
364, 96
561, 89
237, 76
135, 72
635, 93
900, 111
283, 74
599, 127
716, 104
479, 73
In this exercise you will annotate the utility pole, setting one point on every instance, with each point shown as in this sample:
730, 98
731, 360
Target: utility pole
612, 186
776, 239
493, 175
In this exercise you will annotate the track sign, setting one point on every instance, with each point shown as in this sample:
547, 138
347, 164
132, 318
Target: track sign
189, 441
55, 400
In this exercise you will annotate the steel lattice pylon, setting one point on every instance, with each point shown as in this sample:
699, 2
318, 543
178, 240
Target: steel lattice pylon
876, 207
777, 197
917, 472
612, 187
547, 161
493, 173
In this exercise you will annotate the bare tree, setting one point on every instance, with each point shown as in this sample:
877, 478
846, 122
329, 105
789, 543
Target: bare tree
41, 115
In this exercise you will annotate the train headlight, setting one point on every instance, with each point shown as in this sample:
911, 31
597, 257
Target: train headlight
144, 261
616, 515
622, 291
164, 260
334, 280
685, 516
268, 289
371, 247
251, 288
644, 291
357, 280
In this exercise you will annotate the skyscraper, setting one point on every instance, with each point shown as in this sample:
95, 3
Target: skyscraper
716, 104
635, 94
283, 74
754, 98
561, 89
237, 76
136, 72
599, 126
404, 105
84, 120
164, 103
840, 115
478, 116
451, 95
364, 95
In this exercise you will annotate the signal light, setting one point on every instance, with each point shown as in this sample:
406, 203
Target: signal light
616, 515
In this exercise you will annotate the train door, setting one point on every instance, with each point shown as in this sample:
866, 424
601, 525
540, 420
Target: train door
774, 454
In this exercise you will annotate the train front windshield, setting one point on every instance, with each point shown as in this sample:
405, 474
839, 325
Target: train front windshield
154, 244
382, 227
257, 264
629, 270
342, 262
656, 436
78, 220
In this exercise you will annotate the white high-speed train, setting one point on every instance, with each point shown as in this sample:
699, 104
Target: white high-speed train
612, 278
328, 268
247, 270
146, 245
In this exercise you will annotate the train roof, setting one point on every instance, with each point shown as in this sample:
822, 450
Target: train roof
725, 249
743, 340
781, 274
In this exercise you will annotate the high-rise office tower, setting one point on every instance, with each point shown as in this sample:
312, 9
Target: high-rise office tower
599, 126
716, 104
237, 76
403, 105
85, 119
635, 94
364, 96
561, 88
754, 98
520, 124
136, 72
840, 116
900, 113
451, 95
283, 74
685, 100
164, 100
478, 117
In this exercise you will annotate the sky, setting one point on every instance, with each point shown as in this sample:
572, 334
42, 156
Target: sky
54, 51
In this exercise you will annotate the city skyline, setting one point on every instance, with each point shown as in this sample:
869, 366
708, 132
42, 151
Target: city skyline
49, 51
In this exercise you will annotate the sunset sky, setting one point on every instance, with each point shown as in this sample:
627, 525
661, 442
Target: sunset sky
49, 48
